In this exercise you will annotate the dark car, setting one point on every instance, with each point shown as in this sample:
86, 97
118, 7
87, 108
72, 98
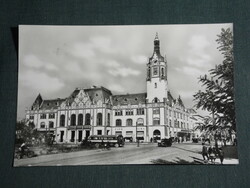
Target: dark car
195, 140
165, 142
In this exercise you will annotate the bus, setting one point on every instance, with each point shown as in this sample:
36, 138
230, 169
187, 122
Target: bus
112, 140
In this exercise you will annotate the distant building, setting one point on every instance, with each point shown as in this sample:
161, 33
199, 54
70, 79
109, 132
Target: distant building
96, 111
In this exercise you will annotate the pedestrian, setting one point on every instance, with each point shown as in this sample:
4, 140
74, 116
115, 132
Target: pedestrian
151, 139
22, 149
221, 155
204, 152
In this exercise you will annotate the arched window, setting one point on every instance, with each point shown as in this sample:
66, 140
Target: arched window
62, 120
108, 120
140, 122
73, 120
129, 122
99, 119
162, 71
87, 119
80, 119
42, 125
51, 124
155, 100
118, 123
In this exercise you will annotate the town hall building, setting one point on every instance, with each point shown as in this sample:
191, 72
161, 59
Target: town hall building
96, 111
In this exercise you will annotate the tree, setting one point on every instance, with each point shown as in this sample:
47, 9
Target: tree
218, 96
25, 132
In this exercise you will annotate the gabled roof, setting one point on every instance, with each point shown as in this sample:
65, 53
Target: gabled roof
133, 99
51, 104
95, 94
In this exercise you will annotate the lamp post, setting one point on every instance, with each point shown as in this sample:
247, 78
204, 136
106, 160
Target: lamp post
137, 135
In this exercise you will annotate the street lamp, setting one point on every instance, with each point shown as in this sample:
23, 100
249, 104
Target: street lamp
136, 136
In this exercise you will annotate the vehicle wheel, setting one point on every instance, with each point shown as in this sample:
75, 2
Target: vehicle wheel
116, 145
97, 145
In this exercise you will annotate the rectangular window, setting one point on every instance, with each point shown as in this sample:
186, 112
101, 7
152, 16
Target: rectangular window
156, 122
99, 132
156, 111
129, 133
118, 132
52, 116
140, 111
129, 112
42, 116
118, 113
31, 117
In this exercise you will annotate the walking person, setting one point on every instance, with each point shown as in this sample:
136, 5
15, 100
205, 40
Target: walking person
204, 152
221, 155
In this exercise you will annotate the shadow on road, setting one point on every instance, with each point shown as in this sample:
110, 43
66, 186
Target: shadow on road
178, 161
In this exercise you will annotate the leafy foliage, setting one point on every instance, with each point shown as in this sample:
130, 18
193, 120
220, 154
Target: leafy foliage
218, 96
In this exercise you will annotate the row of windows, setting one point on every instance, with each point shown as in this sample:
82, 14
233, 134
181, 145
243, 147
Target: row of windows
44, 116
179, 124
155, 71
178, 115
80, 119
129, 122
43, 126
139, 111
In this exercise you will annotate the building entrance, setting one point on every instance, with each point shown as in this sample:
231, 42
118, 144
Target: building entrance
156, 135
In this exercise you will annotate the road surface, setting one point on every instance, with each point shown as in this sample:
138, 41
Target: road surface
146, 153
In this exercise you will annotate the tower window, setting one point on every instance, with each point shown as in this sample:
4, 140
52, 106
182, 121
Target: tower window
155, 85
155, 71
162, 71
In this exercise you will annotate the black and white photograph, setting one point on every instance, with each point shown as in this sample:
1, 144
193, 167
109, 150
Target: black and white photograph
125, 94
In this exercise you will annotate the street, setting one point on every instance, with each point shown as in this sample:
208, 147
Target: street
146, 153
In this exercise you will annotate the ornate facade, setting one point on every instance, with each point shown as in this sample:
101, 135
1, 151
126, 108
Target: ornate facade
96, 111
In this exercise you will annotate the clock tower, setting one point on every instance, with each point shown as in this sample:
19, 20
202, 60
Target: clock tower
157, 86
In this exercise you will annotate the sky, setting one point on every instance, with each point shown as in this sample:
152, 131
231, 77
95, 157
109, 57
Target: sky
54, 60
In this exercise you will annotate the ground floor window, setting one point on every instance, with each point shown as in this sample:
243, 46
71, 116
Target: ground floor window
42, 125
72, 136
118, 132
79, 136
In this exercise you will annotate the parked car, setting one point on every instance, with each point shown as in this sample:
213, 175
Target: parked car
195, 140
165, 142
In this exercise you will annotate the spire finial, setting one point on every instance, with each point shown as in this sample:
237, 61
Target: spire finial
156, 36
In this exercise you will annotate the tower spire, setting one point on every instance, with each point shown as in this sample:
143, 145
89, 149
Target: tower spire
157, 44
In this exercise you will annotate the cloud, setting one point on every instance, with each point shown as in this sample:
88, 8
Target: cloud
192, 71
111, 63
32, 61
50, 67
197, 53
198, 42
116, 88
41, 82
82, 50
140, 59
124, 72
102, 43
